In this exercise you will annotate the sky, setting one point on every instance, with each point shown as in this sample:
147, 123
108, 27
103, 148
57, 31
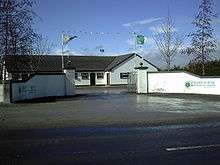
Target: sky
110, 24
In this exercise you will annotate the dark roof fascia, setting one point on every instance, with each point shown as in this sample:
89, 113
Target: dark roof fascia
126, 59
192, 74
142, 67
33, 75
90, 70
38, 73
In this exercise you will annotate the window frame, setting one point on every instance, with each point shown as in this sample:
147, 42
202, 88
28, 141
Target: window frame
124, 75
83, 74
101, 77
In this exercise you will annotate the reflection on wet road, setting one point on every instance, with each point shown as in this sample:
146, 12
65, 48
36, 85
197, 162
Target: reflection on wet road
111, 126
110, 106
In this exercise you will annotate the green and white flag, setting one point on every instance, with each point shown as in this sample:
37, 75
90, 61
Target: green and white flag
67, 38
140, 40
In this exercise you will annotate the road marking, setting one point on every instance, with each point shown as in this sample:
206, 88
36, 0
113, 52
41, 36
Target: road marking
192, 147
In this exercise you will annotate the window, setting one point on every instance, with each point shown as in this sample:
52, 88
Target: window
76, 75
100, 75
124, 75
85, 76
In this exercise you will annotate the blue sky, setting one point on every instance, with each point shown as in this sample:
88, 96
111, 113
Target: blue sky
109, 24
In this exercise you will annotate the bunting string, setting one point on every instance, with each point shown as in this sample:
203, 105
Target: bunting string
80, 32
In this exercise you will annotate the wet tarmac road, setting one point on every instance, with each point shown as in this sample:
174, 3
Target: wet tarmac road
101, 127
110, 106
171, 144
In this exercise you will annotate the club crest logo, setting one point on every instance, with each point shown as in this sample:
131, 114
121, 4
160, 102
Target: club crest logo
187, 84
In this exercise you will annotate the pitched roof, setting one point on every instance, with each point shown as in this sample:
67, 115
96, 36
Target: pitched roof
87, 63
53, 63
118, 60
29, 64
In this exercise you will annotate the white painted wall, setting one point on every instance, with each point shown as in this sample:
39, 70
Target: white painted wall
42, 86
82, 82
1, 93
128, 66
70, 75
182, 82
141, 81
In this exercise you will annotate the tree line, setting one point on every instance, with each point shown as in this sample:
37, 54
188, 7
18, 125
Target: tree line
202, 46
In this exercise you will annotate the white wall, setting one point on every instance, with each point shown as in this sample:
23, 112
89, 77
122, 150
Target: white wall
142, 81
128, 66
1, 93
70, 75
42, 86
82, 82
182, 82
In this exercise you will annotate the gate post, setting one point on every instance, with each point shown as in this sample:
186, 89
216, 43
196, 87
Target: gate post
7, 92
142, 84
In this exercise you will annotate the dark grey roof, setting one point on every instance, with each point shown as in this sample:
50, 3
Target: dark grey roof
33, 63
53, 63
118, 60
88, 63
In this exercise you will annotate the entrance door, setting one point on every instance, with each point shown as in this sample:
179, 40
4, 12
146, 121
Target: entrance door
108, 78
92, 79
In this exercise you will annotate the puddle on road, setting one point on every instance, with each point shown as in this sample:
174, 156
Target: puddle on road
176, 105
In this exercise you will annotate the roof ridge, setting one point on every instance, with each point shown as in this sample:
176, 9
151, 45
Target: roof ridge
111, 62
128, 57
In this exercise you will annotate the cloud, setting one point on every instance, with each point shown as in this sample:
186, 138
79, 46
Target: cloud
216, 20
130, 41
150, 42
155, 57
158, 29
99, 47
57, 50
142, 22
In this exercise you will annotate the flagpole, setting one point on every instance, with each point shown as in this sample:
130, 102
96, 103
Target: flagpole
62, 49
135, 42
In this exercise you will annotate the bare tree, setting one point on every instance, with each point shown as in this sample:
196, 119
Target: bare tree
42, 46
167, 41
17, 35
203, 43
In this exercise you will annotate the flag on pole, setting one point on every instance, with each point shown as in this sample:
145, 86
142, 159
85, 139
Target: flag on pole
102, 50
67, 38
140, 40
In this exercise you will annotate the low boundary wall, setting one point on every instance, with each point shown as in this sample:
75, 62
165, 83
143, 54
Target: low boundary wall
182, 82
42, 86
177, 82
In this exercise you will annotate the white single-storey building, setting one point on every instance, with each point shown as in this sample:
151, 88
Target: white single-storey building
89, 70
